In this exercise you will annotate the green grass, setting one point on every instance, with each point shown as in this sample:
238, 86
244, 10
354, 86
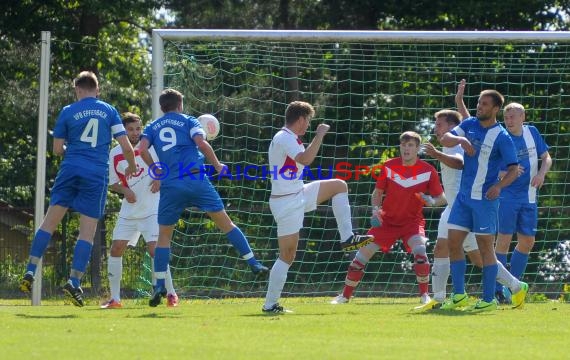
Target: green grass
236, 329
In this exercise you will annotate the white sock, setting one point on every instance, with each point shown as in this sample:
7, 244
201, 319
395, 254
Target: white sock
341, 211
439, 276
168, 282
507, 279
277, 278
115, 273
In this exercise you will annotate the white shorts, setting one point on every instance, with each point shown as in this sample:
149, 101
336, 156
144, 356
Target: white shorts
131, 230
289, 211
470, 243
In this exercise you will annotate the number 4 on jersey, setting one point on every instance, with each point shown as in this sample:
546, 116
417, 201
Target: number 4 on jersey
89, 134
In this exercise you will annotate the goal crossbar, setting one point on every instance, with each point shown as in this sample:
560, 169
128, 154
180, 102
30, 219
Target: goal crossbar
159, 35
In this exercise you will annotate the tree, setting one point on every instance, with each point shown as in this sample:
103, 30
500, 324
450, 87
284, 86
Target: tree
102, 36
372, 14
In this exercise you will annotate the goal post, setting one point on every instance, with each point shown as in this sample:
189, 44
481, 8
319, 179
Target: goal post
369, 86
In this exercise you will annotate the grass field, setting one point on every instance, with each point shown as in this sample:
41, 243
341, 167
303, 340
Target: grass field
236, 329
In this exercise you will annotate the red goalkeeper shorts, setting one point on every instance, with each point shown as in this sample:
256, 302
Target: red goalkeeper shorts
386, 235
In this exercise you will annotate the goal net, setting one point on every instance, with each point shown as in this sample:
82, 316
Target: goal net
369, 87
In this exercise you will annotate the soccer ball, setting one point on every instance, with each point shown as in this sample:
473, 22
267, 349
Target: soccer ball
211, 126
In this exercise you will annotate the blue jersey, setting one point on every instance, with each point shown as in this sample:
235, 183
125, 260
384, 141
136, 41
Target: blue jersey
493, 147
87, 127
530, 147
172, 137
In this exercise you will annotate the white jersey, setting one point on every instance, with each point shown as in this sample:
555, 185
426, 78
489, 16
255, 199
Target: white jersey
451, 178
147, 202
285, 172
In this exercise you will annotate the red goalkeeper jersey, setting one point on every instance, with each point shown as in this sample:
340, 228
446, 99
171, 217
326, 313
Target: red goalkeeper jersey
401, 183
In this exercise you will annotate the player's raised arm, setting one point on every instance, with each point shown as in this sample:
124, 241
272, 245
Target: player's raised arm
308, 156
459, 100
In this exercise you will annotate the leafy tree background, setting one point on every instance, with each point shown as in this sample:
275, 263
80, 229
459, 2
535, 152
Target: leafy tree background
112, 39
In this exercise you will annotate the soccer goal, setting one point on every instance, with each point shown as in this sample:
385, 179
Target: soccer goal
370, 86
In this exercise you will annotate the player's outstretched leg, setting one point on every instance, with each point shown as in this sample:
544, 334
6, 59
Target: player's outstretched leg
39, 246
240, 243
355, 242
238, 240
341, 210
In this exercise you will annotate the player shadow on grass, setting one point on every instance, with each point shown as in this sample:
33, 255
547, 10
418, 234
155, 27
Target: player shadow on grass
158, 316
66, 316
451, 313
291, 313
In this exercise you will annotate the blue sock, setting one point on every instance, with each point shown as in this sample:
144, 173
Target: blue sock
161, 259
239, 242
489, 279
503, 260
458, 269
518, 263
39, 246
81, 255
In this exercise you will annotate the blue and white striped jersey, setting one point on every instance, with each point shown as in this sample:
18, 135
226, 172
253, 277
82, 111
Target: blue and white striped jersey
530, 146
493, 148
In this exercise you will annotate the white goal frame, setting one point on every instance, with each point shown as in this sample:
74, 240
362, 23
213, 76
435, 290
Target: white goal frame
378, 39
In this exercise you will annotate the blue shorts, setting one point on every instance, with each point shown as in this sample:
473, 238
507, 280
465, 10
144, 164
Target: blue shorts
179, 194
518, 217
83, 190
478, 216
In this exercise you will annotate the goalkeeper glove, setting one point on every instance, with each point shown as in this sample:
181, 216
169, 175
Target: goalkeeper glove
427, 200
375, 219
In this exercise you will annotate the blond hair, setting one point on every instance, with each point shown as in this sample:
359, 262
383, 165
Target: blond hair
514, 106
